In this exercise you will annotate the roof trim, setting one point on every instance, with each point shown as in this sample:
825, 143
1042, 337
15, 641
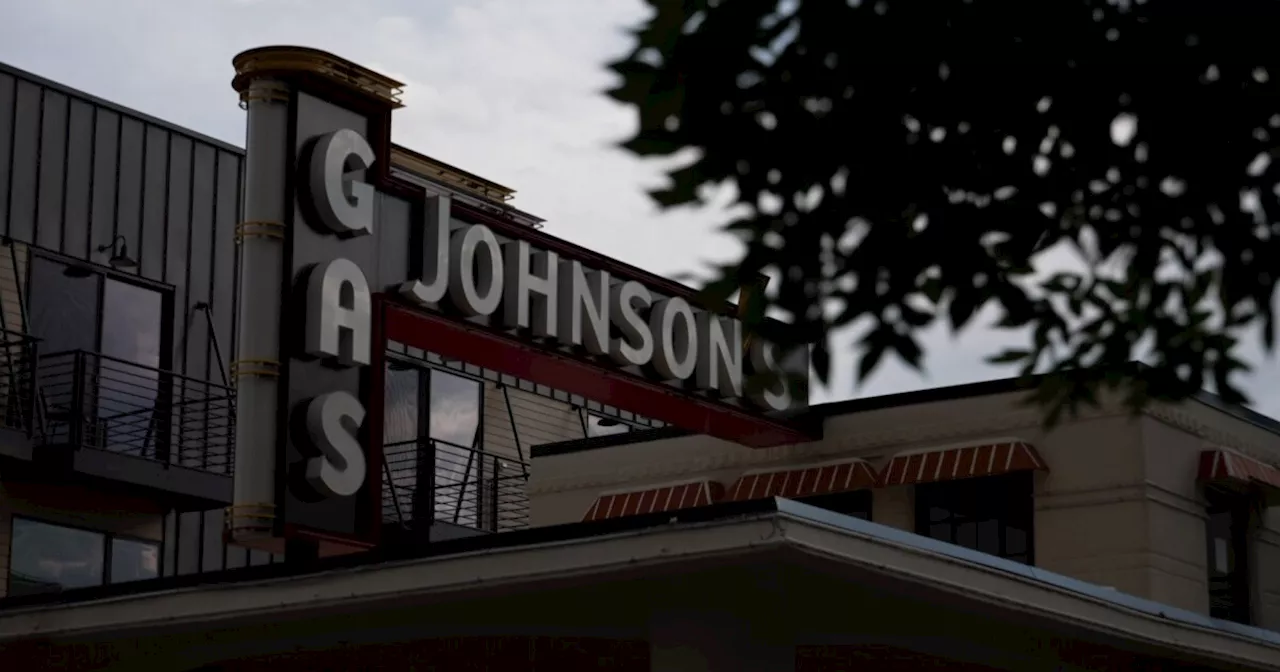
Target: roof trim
292, 61
781, 524
431, 168
119, 109
899, 399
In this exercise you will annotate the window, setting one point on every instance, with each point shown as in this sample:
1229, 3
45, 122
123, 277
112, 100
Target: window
422, 402
44, 557
80, 308
1228, 549
992, 515
856, 503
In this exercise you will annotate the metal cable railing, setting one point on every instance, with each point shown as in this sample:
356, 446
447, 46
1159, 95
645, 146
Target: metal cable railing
90, 400
434, 480
17, 384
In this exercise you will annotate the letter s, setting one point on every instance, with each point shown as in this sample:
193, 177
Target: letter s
339, 470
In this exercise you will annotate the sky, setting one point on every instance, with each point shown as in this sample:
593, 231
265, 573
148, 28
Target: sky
511, 90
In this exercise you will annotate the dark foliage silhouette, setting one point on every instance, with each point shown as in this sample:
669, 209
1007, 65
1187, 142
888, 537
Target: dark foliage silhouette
1097, 172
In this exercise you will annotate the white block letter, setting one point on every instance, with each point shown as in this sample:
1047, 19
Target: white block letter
719, 354
676, 352
530, 289
333, 421
475, 271
584, 308
435, 254
635, 347
343, 204
776, 395
338, 312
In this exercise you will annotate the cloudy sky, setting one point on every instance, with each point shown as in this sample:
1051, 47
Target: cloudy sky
508, 89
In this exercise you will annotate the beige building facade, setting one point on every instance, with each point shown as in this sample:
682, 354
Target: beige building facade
1129, 503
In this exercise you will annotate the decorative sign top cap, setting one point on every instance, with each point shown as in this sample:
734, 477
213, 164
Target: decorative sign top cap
285, 61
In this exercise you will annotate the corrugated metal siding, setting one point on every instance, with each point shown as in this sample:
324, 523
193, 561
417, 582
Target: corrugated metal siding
75, 172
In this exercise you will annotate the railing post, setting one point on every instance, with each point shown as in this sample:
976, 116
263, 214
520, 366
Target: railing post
33, 391
424, 494
495, 481
75, 419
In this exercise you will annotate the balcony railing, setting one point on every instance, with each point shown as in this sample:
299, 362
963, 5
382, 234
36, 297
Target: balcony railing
17, 382
434, 480
89, 400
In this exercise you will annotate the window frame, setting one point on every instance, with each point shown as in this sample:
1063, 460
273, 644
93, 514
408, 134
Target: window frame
108, 539
166, 291
1240, 507
1015, 485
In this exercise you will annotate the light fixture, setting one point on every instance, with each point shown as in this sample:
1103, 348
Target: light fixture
120, 258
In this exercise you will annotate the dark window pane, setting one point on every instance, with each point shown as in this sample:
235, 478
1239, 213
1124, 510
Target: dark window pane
134, 560
1227, 535
967, 534
132, 317
400, 434
131, 335
49, 558
1015, 540
401, 407
455, 420
991, 514
63, 308
455, 409
989, 536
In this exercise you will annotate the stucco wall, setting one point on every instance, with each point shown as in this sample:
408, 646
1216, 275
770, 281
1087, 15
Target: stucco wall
1177, 524
1120, 505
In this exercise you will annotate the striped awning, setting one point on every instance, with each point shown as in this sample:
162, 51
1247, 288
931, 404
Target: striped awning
818, 479
655, 500
1219, 464
987, 458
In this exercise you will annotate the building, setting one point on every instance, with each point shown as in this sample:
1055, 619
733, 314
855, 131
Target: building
572, 468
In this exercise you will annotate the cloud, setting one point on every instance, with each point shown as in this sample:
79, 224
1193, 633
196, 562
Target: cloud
507, 89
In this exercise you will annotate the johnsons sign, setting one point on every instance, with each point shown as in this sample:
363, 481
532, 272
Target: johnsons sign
362, 256
517, 285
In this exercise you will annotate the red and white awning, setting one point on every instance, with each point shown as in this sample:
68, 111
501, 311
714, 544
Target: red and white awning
818, 479
654, 500
1220, 464
987, 458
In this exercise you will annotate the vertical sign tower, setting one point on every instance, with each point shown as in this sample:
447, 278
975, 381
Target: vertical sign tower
317, 125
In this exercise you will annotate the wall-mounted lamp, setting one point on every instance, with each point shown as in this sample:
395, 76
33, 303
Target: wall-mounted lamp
120, 258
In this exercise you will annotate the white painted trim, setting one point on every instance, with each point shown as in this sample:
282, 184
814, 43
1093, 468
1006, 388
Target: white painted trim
645, 487
807, 465
975, 443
